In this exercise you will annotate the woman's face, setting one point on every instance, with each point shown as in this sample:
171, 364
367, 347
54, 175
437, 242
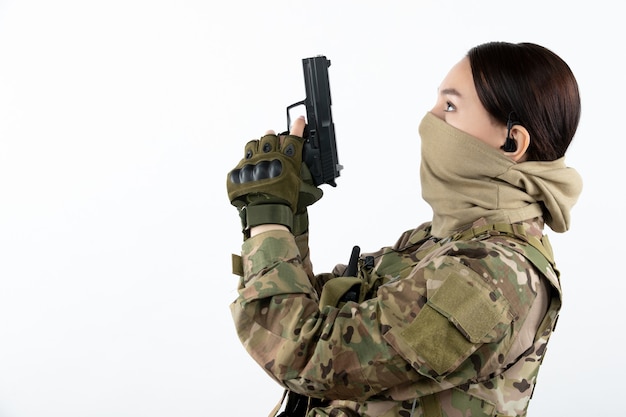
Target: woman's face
459, 106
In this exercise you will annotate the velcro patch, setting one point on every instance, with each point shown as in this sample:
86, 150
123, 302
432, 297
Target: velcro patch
237, 265
461, 315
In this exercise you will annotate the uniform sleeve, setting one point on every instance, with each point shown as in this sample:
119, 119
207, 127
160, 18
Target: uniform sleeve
442, 325
332, 353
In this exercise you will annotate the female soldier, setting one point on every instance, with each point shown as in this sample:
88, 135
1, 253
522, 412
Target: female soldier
454, 318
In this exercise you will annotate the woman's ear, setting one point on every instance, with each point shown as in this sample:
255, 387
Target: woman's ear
522, 139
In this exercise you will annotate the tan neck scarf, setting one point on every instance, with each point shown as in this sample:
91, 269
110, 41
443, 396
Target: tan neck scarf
464, 179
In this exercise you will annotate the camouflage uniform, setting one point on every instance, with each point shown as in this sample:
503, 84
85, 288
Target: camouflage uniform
438, 327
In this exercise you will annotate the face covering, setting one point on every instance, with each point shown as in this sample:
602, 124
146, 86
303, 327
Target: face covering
463, 180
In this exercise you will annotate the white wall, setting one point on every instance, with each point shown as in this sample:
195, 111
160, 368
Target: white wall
120, 119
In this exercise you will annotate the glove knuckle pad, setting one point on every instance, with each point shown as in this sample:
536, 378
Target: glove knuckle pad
267, 169
262, 170
289, 150
292, 147
246, 174
268, 143
233, 176
251, 149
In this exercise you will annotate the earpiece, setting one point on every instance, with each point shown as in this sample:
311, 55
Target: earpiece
509, 144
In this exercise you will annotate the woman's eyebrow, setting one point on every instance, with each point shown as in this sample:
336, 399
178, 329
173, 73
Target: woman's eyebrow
450, 91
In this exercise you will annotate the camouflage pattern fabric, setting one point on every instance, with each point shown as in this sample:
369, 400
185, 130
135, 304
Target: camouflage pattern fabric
431, 334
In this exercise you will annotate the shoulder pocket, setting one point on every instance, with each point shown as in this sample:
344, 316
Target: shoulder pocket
463, 313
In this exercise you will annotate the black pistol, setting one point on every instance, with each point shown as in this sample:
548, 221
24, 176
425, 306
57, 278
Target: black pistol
320, 147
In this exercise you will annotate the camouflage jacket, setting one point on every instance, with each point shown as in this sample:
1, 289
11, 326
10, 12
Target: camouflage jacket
452, 327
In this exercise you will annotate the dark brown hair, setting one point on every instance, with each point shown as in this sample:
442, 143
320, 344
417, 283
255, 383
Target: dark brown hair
537, 85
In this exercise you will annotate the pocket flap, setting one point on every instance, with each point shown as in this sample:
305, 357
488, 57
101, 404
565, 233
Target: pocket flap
473, 307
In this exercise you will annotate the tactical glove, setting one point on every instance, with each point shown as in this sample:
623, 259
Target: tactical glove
267, 185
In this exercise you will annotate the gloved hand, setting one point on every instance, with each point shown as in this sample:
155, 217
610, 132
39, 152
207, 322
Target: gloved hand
271, 183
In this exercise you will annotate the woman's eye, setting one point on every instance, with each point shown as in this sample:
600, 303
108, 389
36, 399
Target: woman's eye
449, 107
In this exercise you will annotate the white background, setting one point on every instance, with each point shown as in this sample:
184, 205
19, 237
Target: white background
119, 120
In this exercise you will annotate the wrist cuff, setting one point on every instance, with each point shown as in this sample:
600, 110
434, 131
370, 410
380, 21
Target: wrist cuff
266, 214
300, 223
